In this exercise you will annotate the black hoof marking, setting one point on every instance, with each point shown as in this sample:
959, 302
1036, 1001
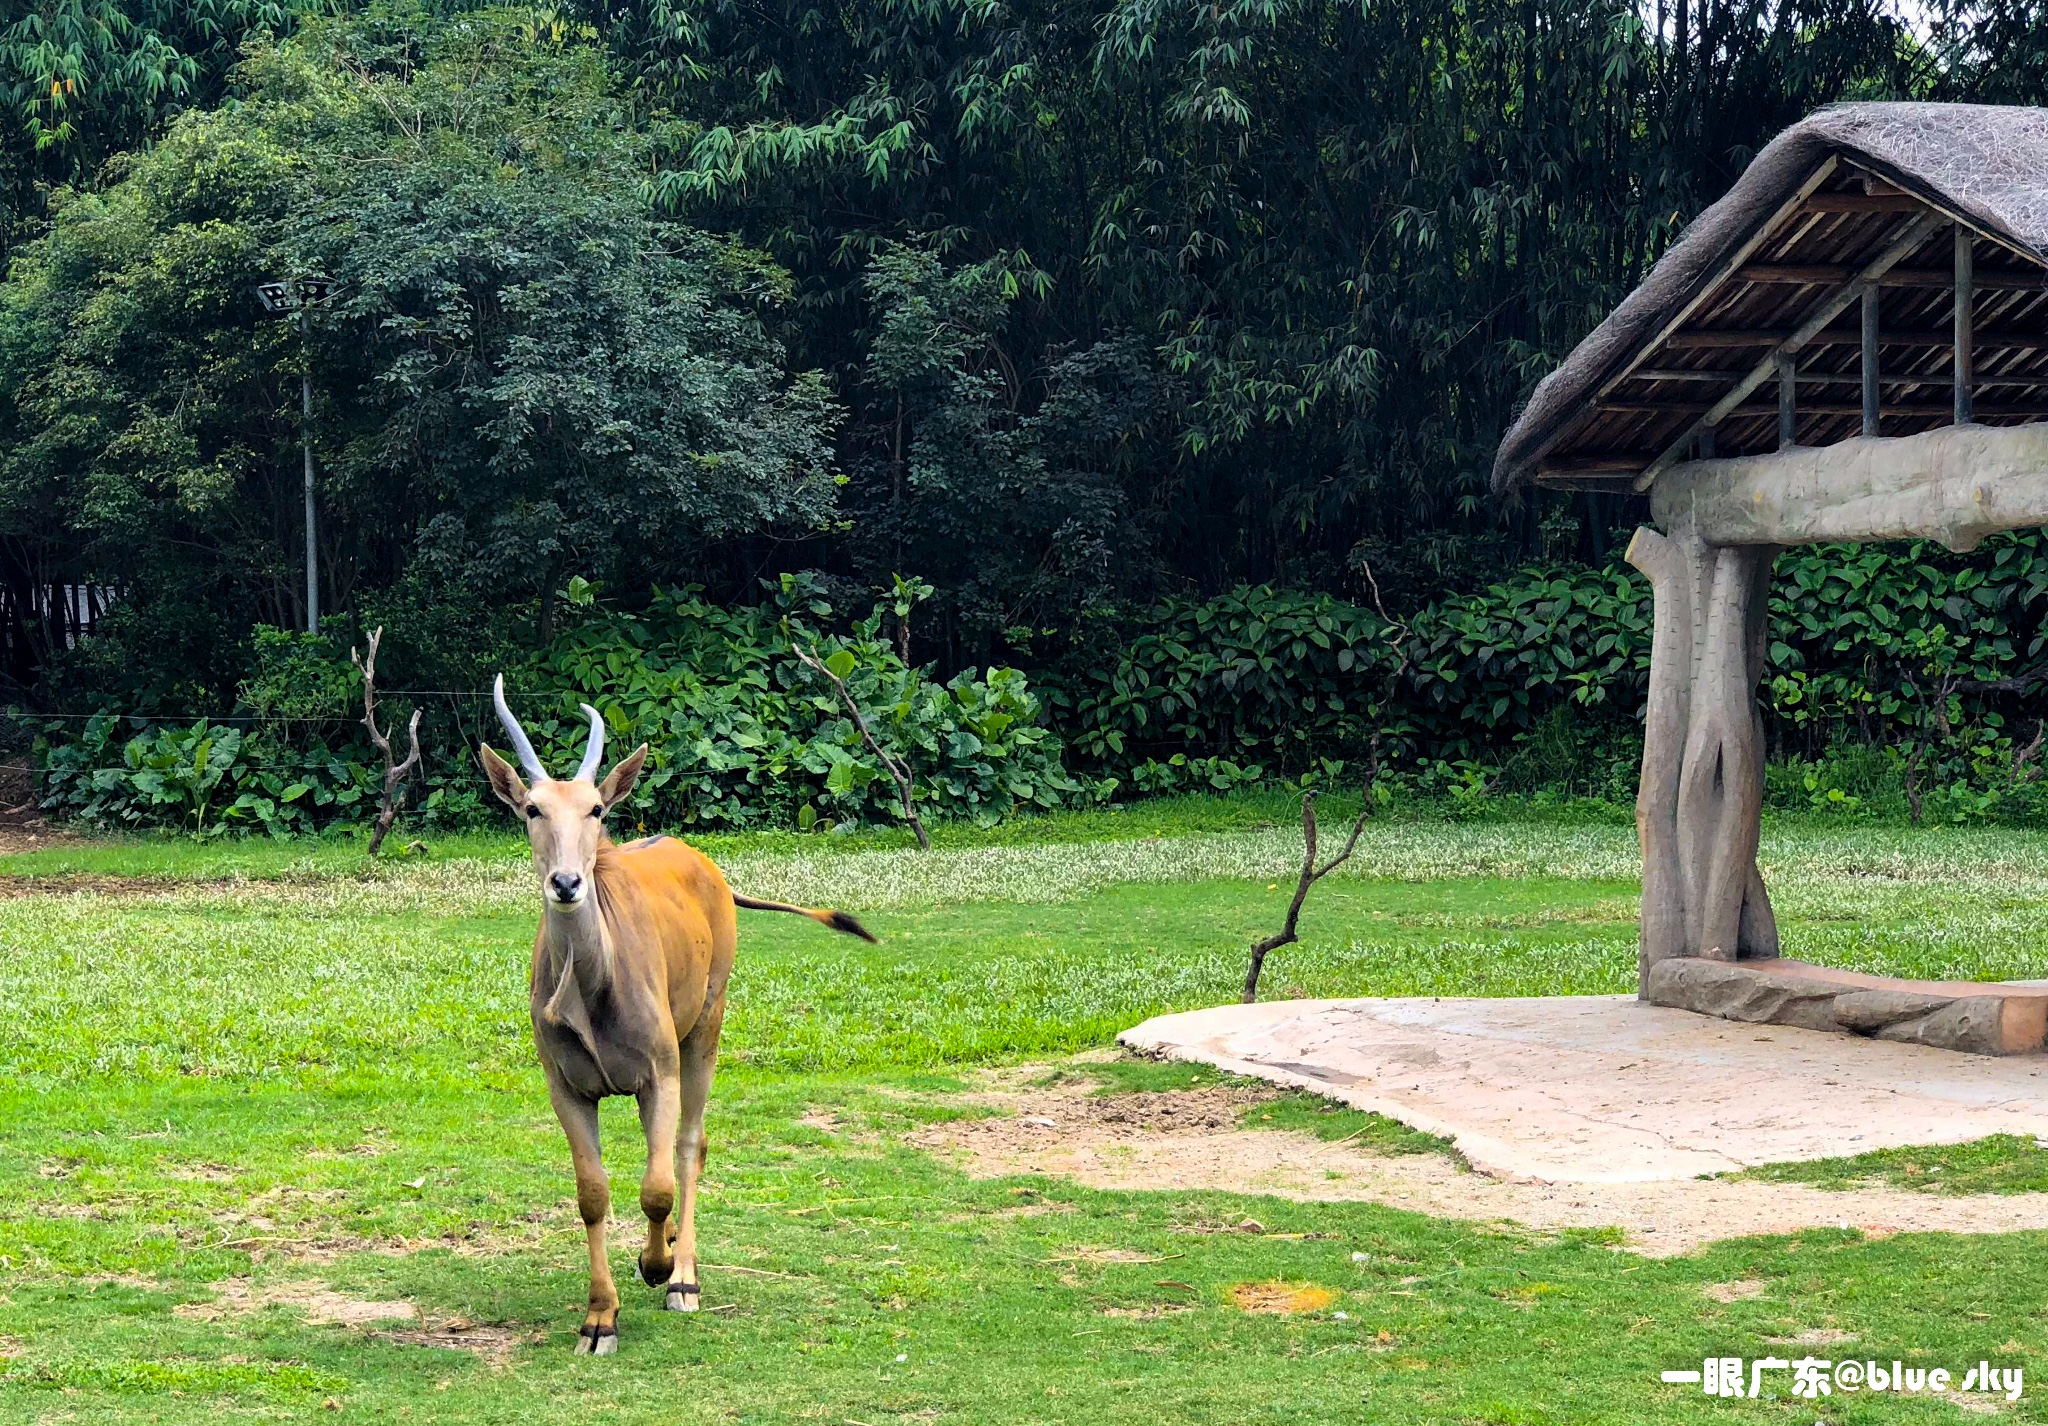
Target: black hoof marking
682, 1297
597, 1341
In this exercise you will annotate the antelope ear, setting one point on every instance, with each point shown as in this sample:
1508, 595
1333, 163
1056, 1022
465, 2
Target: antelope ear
619, 781
505, 782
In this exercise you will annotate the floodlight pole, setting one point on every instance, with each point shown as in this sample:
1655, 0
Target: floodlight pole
306, 449
300, 295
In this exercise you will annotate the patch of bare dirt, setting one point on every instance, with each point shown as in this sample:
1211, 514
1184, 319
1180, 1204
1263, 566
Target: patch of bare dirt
1814, 1337
1740, 1290
319, 1304
494, 1342
202, 1173
1091, 1253
133, 1280
322, 1306
1192, 1140
15, 887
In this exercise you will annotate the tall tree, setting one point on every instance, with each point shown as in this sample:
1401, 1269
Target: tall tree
524, 373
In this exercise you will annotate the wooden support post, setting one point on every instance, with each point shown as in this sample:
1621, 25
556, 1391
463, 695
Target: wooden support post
1700, 801
1788, 401
1870, 402
1757, 933
1966, 295
1664, 563
1720, 796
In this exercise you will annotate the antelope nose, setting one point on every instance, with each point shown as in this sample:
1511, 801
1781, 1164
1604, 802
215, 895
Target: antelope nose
566, 885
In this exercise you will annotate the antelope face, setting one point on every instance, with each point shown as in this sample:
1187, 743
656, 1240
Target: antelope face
563, 823
564, 817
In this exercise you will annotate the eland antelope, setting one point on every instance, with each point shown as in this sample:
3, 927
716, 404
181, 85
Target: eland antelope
629, 973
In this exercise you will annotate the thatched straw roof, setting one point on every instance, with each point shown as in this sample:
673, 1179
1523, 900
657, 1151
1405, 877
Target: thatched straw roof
1812, 207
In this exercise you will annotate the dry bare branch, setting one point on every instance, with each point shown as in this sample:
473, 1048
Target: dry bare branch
395, 773
1310, 873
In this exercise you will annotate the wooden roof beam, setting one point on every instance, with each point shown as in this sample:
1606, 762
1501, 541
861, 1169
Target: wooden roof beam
1721, 376
1955, 483
1822, 408
1742, 339
1792, 274
1894, 202
1711, 283
1915, 234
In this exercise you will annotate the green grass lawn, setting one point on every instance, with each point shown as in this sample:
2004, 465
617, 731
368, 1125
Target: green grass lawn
278, 1071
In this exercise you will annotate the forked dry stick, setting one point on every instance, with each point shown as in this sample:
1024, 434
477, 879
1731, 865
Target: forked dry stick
1310, 873
897, 772
394, 773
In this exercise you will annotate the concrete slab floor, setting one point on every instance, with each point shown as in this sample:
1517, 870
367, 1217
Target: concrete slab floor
1607, 1089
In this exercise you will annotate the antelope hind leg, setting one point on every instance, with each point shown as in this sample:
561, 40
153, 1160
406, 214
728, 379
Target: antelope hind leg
700, 1058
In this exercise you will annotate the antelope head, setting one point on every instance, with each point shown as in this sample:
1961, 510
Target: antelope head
564, 817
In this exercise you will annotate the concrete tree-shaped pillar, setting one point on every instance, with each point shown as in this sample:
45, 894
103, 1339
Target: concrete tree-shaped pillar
1700, 803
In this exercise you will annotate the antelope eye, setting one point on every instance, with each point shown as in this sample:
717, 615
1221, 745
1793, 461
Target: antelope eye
531, 810
597, 811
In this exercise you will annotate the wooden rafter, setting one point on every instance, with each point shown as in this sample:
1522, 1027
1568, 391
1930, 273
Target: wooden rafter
1826, 275
1914, 235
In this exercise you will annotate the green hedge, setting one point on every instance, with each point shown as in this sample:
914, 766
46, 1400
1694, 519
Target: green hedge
1890, 668
740, 733
1537, 682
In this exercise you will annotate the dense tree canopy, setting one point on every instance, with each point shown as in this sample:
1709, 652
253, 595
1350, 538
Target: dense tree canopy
526, 374
1053, 304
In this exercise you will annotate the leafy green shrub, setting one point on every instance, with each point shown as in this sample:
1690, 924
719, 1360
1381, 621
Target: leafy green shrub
205, 779
1897, 683
741, 734
1282, 682
1888, 666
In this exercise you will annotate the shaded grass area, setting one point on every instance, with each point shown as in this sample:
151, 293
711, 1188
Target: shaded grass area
280, 1091
340, 988
2003, 1163
340, 853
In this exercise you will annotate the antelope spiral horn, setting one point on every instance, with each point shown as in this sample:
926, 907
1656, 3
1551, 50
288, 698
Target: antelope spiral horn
520, 743
593, 751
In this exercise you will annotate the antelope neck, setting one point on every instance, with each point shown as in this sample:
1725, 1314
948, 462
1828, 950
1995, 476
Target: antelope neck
579, 938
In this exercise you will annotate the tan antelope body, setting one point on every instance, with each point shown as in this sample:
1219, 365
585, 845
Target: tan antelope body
630, 966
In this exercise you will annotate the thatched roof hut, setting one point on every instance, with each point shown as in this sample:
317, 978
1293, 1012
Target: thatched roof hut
1852, 345
1762, 281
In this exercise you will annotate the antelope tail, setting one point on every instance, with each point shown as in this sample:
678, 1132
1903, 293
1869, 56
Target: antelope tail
837, 920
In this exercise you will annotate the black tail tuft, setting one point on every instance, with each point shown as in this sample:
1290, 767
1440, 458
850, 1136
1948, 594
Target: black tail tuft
841, 921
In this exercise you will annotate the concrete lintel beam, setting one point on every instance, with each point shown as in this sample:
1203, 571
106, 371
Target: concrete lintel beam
1956, 484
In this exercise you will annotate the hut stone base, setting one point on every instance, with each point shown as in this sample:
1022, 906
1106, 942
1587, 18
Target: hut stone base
1978, 1019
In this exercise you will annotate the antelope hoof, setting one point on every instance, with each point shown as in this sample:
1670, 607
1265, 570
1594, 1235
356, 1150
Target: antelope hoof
595, 1341
682, 1297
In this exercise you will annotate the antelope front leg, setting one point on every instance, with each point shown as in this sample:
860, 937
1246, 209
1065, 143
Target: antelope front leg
600, 1332
658, 1107
700, 1058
